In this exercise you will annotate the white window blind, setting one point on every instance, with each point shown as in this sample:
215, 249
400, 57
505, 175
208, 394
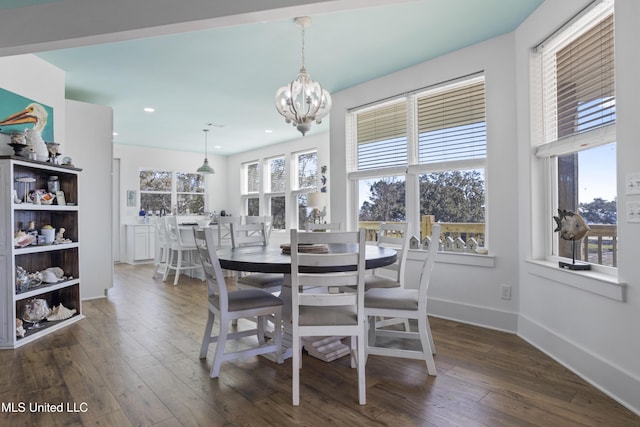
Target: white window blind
382, 136
578, 75
452, 124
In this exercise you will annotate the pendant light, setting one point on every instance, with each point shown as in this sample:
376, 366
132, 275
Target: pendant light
205, 168
303, 101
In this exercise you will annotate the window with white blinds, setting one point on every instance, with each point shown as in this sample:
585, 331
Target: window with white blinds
382, 136
451, 124
577, 137
578, 78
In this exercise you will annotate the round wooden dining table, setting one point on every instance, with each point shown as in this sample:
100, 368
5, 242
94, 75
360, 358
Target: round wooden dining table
271, 259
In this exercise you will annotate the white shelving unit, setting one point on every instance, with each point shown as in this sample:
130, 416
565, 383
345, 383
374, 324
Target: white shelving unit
16, 216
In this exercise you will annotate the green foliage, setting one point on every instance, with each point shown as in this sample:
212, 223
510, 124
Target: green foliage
599, 211
387, 201
453, 196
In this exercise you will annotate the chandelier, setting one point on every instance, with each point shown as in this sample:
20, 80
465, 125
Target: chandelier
205, 168
303, 101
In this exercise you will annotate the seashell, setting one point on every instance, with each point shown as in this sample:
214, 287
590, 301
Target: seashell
56, 270
49, 277
61, 312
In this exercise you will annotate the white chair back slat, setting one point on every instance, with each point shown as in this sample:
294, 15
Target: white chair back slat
248, 235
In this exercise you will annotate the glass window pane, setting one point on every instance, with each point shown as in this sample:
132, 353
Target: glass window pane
587, 185
276, 175
382, 199
304, 213
253, 206
151, 180
277, 211
190, 182
307, 164
253, 178
155, 202
457, 199
190, 204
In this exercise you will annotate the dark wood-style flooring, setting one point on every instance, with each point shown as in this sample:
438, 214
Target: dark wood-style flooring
134, 361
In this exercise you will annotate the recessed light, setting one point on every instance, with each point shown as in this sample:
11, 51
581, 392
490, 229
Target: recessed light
268, 131
218, 146
149, 109
115, 133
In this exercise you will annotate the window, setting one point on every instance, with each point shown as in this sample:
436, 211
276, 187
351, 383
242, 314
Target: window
421, 157
306, 164
190, 192
155, 191
578, 139
157, 194
278, 187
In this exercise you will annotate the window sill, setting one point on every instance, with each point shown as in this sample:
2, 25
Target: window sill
473, 260
589, 281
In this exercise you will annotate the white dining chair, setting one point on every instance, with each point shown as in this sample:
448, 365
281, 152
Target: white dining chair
224, 229
161, 250
181, 250
312, 226
332, 301
254, 234
401, 303
395, 236
256, 219
228, 306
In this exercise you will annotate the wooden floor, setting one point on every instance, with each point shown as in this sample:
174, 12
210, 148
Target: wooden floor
134, 361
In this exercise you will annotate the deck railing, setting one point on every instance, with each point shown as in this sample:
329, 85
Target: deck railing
599, 247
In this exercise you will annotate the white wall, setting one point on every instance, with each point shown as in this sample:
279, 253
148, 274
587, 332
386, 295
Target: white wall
462, 292
84, 133
133, 158
89, 133
593, 335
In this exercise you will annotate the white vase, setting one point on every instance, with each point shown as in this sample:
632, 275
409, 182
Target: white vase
35, 141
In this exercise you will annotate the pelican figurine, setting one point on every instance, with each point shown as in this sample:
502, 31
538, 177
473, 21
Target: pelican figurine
36, 114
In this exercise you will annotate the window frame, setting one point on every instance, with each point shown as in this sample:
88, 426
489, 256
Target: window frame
413, 168
174, 193
547, 149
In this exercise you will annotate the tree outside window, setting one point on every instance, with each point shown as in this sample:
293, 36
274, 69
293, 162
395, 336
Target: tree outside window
155, 191
190, 193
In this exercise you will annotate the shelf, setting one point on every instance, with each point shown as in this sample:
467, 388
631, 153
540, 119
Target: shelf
43, 288
46, 327
33, 207
45, 248
22, 216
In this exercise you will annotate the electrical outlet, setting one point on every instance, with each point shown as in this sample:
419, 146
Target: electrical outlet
505, 292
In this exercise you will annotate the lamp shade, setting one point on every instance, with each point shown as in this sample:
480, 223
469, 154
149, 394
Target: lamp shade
317, 200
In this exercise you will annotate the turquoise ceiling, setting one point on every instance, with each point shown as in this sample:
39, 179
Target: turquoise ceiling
229, 75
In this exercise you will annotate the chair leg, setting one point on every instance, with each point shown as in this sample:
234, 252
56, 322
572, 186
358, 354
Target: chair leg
169, 264
426, 346
178, 266
206, 340
277, 337
433, 346
219, 353
260, 325
295, 381
362, 389
354, 344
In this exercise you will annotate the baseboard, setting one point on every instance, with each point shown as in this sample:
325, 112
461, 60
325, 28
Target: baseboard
486, 317
611, 380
